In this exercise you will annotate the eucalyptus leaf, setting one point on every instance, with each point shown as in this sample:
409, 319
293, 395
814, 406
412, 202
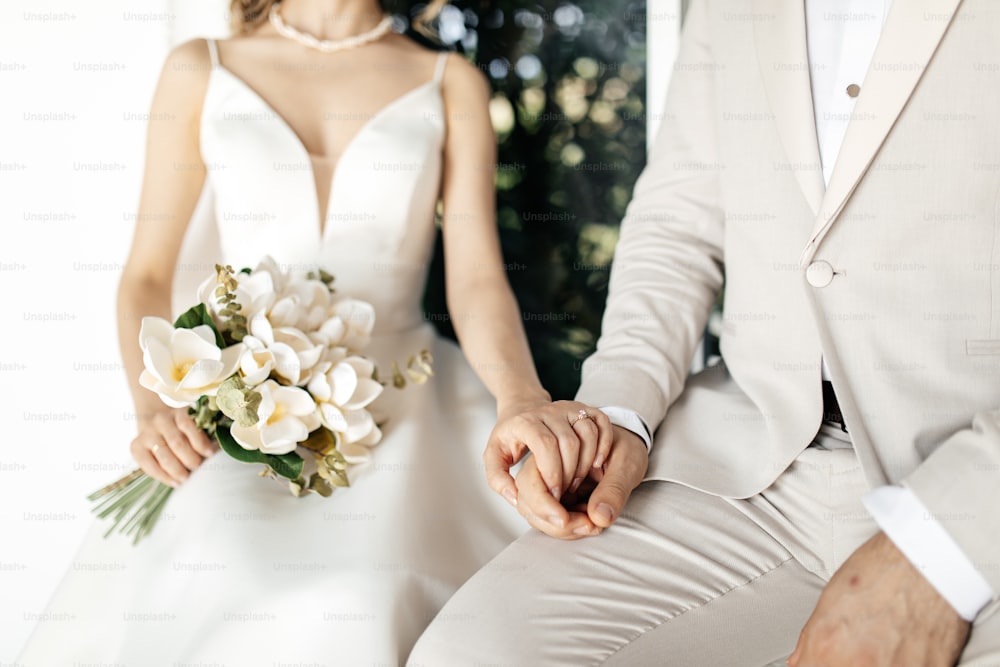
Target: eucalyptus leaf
398, 381
238, 401
425, 362
418, 368
333, 469
320, 485
339, 478
416, 377
205, 412
335, 460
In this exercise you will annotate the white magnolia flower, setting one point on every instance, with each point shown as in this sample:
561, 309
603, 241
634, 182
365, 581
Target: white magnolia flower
343, 390
285, 418
284, 312
258, 360
349, 324
183, 364
293, 354
303, 304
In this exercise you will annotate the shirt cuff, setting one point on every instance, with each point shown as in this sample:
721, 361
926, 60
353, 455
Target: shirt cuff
925, 543
629, 419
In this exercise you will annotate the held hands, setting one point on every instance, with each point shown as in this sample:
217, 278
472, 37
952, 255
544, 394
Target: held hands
570, 453
567, 446
169, 446
879, 610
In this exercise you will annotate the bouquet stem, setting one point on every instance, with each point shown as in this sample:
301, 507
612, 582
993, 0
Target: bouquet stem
134, 502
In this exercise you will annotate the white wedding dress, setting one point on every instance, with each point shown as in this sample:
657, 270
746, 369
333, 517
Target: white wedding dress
238, 572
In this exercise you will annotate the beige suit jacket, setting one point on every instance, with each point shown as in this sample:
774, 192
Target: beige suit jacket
892, 273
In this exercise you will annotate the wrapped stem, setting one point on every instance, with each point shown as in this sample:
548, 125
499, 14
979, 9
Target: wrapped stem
134, 502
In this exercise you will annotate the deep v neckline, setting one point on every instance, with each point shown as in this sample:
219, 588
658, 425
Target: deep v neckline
322, 215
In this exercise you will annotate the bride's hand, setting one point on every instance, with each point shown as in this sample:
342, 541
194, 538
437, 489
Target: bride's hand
566, 445
169, 446
597, 503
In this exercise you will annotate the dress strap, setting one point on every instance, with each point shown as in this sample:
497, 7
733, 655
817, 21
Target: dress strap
213, 51
439, 70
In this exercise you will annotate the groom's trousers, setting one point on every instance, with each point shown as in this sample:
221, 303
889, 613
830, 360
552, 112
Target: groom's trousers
682, 578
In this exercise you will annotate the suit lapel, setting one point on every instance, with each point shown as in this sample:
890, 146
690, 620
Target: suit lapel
907, 44
784, 66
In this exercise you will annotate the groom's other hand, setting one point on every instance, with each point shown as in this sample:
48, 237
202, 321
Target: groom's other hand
878, 610
616, 480
589, 510
566, 446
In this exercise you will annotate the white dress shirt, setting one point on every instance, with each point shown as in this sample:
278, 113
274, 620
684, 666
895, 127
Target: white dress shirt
842, 36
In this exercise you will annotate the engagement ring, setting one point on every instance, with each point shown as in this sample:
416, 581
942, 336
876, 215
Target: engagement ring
582, 414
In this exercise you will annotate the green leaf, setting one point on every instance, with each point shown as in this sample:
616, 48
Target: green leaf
235, 450
238, 401
196, 316
205, 414
288, 465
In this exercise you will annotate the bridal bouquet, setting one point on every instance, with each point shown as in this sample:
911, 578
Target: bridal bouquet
268, 364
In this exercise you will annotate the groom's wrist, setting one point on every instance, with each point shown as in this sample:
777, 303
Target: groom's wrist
630, 421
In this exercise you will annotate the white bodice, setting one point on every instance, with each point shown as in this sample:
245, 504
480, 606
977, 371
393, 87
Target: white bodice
379, 229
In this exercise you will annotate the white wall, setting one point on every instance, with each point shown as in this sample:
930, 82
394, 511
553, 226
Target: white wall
75, 81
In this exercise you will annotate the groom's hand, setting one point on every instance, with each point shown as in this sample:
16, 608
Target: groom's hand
591, 508
566, 447
878, 610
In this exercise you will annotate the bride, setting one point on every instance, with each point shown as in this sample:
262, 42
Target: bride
324, 140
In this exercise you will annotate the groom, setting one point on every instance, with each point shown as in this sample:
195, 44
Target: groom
831, 494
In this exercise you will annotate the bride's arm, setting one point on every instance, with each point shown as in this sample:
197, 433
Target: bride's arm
172, 181
482, 306
485, 314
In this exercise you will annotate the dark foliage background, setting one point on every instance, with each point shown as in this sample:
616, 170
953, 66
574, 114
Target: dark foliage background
569, 111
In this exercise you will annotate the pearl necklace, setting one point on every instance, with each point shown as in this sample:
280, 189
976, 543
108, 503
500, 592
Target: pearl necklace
328, 45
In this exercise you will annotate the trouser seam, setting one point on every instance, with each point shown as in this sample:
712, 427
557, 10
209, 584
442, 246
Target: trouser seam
697, 606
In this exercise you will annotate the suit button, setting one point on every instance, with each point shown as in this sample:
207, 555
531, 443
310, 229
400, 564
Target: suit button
819, 274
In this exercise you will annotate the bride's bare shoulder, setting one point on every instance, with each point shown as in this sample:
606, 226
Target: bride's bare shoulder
463, 82
459, 74
191, 57
184, 78
188, 64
